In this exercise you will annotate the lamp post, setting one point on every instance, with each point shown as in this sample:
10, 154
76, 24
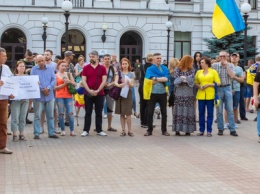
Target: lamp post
67, 7
245, 8
104, 28
44, 36
168, 25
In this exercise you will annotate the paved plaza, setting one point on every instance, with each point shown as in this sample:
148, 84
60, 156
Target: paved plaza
114, 164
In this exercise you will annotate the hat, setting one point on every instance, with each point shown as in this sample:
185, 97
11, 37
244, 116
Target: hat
68, 53
235, 54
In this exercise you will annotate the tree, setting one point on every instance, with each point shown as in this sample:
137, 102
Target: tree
231, 43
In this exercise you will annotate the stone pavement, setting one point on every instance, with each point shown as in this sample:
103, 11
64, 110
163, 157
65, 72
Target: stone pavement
114, 164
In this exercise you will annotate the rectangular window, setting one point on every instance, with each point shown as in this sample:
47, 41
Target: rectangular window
182, 44
253, 3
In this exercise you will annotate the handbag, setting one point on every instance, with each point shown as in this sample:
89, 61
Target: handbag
71, 88
171, 99
114, 92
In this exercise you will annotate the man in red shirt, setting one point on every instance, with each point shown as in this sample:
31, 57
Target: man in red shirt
94, 77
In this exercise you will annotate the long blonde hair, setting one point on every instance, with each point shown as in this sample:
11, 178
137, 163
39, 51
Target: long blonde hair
173, 63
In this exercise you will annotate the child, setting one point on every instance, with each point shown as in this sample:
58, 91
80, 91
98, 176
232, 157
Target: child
79, 100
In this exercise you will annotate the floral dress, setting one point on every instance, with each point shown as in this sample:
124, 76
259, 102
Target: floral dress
184, 111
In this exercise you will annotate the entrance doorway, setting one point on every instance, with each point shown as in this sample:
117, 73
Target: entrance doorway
14, 42
131, 45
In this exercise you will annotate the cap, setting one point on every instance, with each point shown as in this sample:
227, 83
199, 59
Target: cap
68, 53
235, 54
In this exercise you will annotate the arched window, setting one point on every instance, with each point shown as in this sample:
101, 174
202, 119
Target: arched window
14, 42
77, 43
131, 45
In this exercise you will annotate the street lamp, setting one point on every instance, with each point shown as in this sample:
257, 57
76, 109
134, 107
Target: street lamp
104, 28
245, 8
168, 25
44, 36
67, 7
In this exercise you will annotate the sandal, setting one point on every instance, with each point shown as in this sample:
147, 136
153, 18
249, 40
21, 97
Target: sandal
123, 134
112, 129
22, 138
15, 138
130, 134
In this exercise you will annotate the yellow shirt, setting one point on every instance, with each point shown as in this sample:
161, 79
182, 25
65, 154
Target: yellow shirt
210, 78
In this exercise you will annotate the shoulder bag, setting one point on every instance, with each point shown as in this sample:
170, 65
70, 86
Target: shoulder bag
71, 88
114, 92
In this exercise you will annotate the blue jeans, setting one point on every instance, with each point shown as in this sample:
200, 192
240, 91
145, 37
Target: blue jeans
258, 121
38, 108
133, 99
242, 109
203, 104
67, 103
105, 107
225, 96
19, 110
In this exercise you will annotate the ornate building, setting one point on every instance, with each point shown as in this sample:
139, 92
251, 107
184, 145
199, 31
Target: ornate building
134, 27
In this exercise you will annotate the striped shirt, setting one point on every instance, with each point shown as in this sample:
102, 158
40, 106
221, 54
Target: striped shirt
47, 80
223, 73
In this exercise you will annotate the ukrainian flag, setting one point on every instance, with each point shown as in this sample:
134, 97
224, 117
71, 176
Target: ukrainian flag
226, 18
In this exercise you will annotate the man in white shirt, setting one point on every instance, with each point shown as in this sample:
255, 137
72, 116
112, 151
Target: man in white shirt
4, 72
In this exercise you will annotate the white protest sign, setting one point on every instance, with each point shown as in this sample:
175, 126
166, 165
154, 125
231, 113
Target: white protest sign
10, 86
28, 87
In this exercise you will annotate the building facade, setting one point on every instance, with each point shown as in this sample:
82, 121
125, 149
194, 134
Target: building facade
134, 27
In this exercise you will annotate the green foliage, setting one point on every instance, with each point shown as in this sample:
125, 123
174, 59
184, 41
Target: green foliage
231, 43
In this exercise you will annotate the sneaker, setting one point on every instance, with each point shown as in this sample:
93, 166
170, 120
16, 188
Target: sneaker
57, 131
226, 126
102, 133
6, 151
63, 133
28, 121
54, 136
255, 119
72, 133
244, 119
234, 133
220, 132
84, 134
105, 117
36, 137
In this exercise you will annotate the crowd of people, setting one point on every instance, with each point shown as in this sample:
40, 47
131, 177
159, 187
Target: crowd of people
186, 85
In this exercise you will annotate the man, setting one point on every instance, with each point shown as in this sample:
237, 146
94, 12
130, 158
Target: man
68, 57
137, 68
4, 72
114, 62
242, 108
159, 75
46, 101
94, 78
29, 63
238, 78
111, 71
48, 60
226, 73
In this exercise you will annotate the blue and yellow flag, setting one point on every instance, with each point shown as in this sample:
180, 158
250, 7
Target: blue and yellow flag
226, 18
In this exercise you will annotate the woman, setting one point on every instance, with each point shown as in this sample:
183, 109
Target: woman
172, 65
63, 97
184, 112
204, 81
196, 61
19, 109
79, 69
124, 105
143, 103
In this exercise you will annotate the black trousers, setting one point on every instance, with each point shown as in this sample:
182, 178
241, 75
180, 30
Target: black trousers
162, 100
89, 102
143, 108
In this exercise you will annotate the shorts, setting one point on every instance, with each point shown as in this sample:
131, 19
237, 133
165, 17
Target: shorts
248, 91
236, 99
